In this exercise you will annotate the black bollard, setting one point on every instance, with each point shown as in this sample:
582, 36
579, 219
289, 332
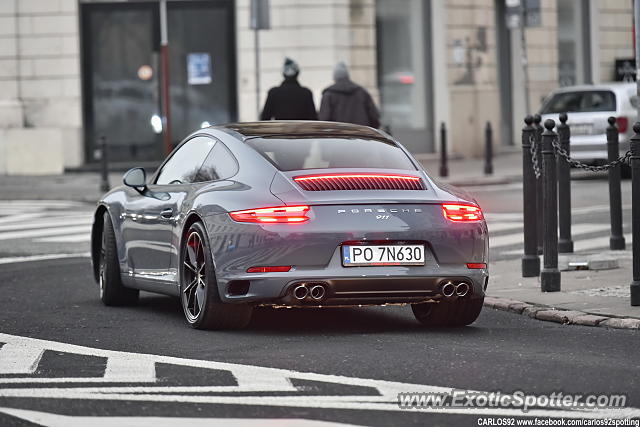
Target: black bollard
488, 150
616, 241
550, 275
565, 243
444, 170
537, 119
104, 170
635, 214
530, 260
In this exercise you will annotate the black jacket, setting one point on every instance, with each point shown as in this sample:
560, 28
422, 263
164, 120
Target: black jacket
348, 102
289, 101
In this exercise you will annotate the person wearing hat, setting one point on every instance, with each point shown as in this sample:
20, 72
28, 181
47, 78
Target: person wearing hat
289, 101
348, 102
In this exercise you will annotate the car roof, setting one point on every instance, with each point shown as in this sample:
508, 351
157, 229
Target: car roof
301, 129
614, 86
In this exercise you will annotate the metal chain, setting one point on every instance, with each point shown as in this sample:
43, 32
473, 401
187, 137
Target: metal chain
534, 157
578, 164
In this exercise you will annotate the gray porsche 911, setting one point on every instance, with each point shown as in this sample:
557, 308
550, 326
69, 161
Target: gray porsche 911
295, 214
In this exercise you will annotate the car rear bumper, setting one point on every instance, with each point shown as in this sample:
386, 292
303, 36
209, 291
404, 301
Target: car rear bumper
353, 286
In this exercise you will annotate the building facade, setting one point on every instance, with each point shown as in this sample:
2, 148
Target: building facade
74, 71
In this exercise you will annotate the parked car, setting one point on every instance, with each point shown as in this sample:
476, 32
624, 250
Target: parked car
296, 214
588, 108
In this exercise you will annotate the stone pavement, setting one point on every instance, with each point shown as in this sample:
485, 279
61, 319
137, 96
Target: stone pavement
588, 297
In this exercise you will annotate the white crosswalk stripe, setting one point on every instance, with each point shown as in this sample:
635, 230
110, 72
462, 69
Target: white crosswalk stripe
506, 233
45, 221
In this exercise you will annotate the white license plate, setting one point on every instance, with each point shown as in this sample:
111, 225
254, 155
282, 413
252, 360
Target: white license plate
582, 129
358, 255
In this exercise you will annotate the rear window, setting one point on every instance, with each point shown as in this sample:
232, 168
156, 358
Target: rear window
289, 154
581, 102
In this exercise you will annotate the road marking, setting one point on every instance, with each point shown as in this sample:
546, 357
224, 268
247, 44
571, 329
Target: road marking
597, 242
515, 238
601, 242
495, 227
21, 217
72, 238
256, 379
74, 220
55, 420
121, 369
517, 216
19, 358
17, 259
42, 203
44, 232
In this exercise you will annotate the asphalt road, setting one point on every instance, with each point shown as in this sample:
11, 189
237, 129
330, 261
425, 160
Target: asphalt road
56, 300
64, 354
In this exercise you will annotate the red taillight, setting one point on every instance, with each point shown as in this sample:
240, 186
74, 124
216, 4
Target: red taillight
476, 265
462, 213
269, 269
275, 215
623, 124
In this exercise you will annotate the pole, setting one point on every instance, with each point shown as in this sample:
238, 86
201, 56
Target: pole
488, 150
538, 141
565, 243
444, 170
550, 275
164, 64
256, 44
530, 260
636, 15
635, 213
616, 241
524, 57
104, 165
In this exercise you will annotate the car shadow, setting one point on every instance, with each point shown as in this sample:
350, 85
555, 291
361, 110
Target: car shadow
314, 321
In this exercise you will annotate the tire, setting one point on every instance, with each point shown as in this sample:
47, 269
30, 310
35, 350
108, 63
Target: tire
112, 292
459, 312
625, 172
199, 295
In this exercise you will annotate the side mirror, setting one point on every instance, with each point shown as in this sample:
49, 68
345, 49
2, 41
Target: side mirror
634, 101
135, 178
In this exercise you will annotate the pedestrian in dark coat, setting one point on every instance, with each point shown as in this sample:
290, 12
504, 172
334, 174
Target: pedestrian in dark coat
289, 101
348, 102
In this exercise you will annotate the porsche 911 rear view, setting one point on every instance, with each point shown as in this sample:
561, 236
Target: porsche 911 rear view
292, 214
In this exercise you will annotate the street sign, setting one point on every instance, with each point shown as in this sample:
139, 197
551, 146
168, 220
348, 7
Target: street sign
260, 16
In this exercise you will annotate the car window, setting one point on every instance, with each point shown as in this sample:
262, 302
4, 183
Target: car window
289, 154
219, 164
185, 163
581, 102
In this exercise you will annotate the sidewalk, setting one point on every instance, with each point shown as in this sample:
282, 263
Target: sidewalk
75, 186
507, 168
85, 186
601, 295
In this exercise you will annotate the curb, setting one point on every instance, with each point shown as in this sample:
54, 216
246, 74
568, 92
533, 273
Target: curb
565, 317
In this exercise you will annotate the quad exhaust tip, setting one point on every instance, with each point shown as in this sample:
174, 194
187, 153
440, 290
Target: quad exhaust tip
306, 291
317, 292
462, 289
449, 289
300, 292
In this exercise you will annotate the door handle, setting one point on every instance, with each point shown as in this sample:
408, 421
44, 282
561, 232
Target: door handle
166, 213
